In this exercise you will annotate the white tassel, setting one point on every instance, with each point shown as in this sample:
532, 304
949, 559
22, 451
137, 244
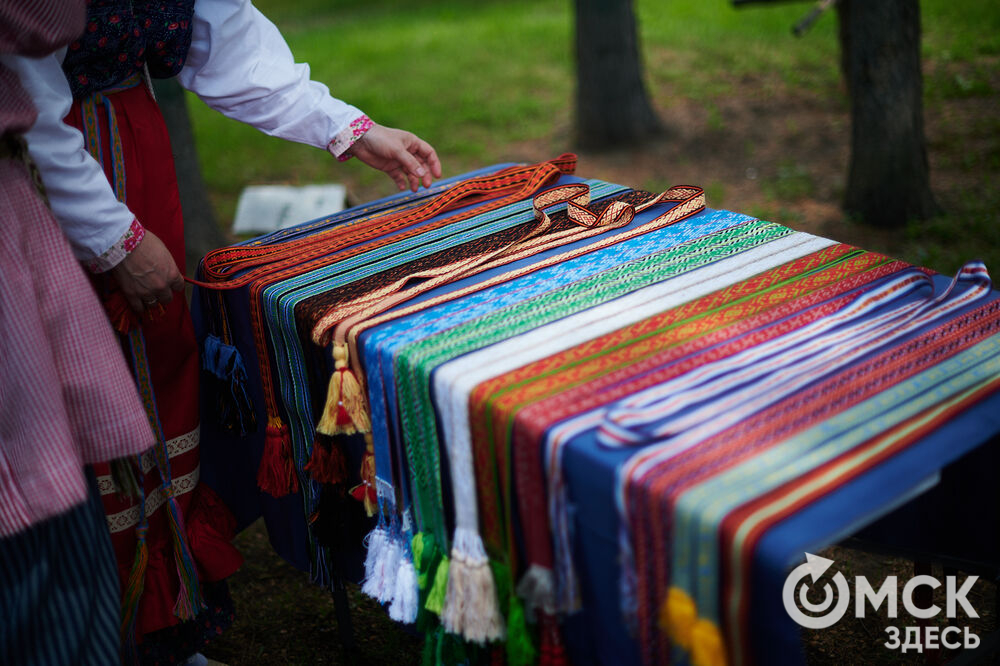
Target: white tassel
537, 590
471, 608
453, 613
483, 622
404, 599
387, 573
377, 543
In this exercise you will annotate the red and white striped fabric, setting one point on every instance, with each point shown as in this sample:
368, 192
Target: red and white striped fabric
66, 395
31, 28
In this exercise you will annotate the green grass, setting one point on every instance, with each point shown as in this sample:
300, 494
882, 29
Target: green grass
479, 79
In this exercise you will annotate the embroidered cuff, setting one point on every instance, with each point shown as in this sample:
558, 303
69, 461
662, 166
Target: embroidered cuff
347, 136
114, 254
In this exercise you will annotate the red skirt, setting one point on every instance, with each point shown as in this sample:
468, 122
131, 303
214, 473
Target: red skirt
143, 155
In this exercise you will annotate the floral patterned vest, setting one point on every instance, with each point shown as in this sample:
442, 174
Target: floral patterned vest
123, 35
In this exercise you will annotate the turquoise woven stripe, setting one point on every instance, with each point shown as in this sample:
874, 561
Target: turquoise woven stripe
414, 364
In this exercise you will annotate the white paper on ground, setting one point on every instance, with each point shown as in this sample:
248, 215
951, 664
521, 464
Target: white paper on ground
264, 208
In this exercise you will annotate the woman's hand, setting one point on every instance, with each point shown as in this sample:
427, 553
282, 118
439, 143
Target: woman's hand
405, 157
148, 275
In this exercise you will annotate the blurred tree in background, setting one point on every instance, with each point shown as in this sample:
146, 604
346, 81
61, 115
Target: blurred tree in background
201, 233
888, 180
612, 107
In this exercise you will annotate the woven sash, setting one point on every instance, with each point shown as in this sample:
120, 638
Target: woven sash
778, 367
651, 511
455, 381
743, 529
701, 461
588, 371
260, 266
189, 601
425, 469
281, 303
551, 307
615, 384
414, 364
384, 339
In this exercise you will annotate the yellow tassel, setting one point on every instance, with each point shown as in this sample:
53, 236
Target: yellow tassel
678, 616
328, 422
345, 412
707, 648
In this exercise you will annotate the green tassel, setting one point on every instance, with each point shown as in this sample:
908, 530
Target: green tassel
502, 581
423, 558
426, 563
520, 645
435, 598
417, 547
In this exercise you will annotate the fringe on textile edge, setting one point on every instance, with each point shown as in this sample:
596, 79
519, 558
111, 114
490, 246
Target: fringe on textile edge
133, 590
471, 608
707, 648
344, 412
678, 616
235, 410
679, 619
276, 475
520, 646
189, 599
405, 598
438, 586
537, 589
365, 492
377, 545
326, 463
388, 567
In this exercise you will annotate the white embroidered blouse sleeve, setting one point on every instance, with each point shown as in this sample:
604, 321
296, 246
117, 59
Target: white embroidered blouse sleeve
100, 229
240, 65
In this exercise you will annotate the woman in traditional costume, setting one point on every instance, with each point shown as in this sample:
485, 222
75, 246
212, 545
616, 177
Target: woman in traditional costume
67, 399
110, 176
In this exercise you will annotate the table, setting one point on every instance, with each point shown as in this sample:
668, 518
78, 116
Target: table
628, 428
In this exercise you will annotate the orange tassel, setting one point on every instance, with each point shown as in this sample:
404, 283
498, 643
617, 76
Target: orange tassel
119, 313
276, 474
344, 412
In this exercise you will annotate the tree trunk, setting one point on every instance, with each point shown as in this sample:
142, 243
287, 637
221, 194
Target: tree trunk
201, 233
888, 180
612, 107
